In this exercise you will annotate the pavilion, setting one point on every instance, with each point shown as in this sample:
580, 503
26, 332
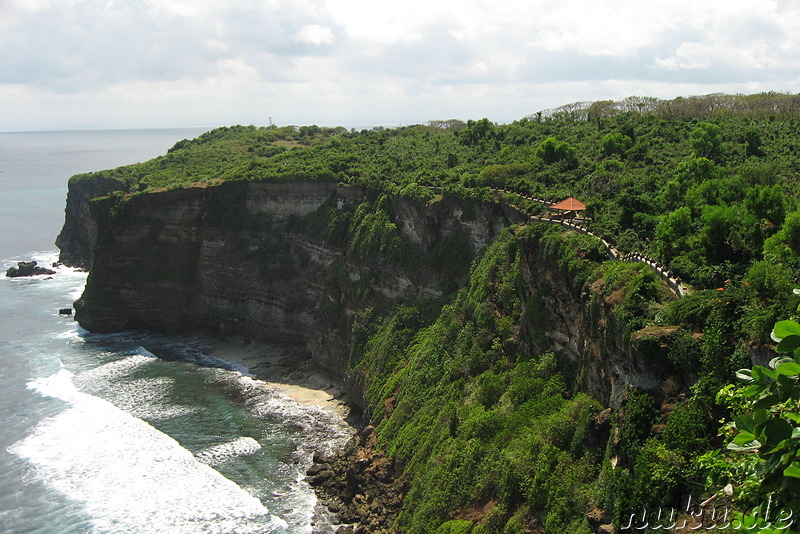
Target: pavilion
567, 208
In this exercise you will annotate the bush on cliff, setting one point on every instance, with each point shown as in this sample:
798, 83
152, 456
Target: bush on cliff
483, 427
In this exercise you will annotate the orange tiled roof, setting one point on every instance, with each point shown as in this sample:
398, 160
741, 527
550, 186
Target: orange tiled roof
569, 204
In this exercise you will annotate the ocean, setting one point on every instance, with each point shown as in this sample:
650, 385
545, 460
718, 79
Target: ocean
98, 435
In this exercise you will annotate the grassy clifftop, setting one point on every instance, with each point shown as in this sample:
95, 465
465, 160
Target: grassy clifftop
707, 185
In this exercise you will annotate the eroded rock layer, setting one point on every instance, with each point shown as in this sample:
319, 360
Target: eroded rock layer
285, 263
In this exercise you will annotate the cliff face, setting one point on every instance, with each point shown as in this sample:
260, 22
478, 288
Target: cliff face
581, 327
77, 238
294, 263
283, 263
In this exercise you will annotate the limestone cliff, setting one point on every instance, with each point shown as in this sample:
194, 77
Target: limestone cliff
581, 326
294, 263
77, 238
287, 263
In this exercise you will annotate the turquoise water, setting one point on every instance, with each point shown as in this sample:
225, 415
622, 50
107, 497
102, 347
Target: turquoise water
100, 435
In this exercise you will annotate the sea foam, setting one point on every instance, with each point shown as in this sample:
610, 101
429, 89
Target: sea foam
218, 454
131, 477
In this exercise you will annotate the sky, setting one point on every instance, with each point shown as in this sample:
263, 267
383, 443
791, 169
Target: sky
164, 63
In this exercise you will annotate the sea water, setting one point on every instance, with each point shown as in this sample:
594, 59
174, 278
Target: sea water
100, 435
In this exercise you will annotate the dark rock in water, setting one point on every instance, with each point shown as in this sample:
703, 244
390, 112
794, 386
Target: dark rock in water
27, 268
23, 268
65, 311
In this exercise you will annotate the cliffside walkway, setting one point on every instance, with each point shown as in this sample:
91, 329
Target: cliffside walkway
674, 283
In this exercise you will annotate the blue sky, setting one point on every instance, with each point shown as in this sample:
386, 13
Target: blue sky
143, 63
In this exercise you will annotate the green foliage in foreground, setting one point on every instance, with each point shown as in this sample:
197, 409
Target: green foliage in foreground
763, 470
773, 428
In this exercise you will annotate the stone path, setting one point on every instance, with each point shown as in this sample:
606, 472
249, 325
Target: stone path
674, 282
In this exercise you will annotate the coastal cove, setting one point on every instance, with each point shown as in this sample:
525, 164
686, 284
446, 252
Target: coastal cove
94, 423
336, 267
168, 262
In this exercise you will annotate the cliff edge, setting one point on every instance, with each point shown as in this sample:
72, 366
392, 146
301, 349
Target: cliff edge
299, 263
288, 263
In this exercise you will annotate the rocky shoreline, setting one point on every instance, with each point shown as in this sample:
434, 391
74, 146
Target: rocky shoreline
253, 263
363, 488
360, 487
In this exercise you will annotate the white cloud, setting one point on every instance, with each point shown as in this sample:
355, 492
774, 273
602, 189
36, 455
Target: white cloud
748, 38
215, 45
314, 34
191, 9
380, 22
333, 59
687, 56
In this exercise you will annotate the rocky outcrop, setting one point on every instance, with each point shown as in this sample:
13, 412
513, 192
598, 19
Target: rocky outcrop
363, 487
580, 326
264, 261
27, 268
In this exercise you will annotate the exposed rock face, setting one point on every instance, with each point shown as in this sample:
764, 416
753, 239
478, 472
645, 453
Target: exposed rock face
248, 259
252, 259
584, 334
362, 487
77, 238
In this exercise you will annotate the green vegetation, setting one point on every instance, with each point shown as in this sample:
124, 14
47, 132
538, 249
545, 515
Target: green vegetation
214, 157
761, 468
703, 184
496, 436
479, 423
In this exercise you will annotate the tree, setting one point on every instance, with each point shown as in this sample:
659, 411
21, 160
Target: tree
602, 109
551, 151
752, 139
615, 143
696, 170
309, 131
730, 233
769, 421
783, 248
672, 232
478, 132
706, 139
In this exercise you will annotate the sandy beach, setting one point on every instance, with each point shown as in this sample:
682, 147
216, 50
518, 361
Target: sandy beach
280, 369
